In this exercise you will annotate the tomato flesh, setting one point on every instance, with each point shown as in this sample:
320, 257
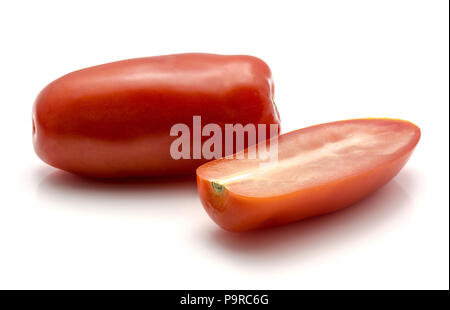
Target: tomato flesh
320, 169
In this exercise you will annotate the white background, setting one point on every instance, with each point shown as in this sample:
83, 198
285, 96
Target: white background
331, 60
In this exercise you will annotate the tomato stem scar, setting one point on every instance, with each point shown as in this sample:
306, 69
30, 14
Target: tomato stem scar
218, 188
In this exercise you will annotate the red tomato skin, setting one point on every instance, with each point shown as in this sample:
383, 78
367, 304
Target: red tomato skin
239, 213
114, 120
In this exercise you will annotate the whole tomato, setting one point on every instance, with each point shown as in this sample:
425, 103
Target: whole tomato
114, 120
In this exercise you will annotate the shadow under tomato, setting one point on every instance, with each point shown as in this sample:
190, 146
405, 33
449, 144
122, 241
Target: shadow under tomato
380, 213
68, 189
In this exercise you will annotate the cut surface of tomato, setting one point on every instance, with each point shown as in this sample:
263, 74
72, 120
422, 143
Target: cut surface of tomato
319, 169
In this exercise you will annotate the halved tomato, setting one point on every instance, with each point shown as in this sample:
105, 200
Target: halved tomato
320, 169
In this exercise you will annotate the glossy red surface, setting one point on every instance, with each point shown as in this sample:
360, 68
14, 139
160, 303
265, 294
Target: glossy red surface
114, 120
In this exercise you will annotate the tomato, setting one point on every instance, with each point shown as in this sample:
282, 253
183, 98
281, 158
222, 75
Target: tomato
320, 169
114, 120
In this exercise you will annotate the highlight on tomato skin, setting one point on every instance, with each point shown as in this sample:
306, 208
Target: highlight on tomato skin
320, 169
